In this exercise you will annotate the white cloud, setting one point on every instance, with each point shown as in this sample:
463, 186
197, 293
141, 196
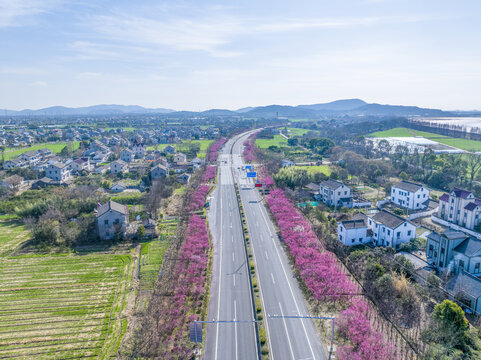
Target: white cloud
88, 75
210, 32
38, 84
15, 12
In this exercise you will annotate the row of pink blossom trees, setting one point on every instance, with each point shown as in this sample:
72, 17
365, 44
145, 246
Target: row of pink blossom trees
250, 156
209, 173
198, 197
325, 278
188, 295
215, 147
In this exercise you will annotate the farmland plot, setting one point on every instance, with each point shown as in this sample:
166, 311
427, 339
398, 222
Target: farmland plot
59, 307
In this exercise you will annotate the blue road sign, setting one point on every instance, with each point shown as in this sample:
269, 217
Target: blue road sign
251, 174
248, 166
196, 332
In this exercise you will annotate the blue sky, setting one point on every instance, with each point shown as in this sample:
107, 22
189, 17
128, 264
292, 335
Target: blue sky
195, 55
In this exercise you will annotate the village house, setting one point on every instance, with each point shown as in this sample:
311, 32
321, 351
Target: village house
14, 163
382, 229
58, 172
335, 193
460, 207
80, 164
354, 231
453, 251
138, 148
169, 149
410, 195
180, 158
183, 178
127, 155
466, 289
111, 220
158, 171
118, 166
118, 188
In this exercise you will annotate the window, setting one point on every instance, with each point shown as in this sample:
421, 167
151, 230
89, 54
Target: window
340, 237
107, 233
461, 264
409, 233
360, 239
353, 239
398, 234
442, 251
405, 224
389, 232
476, 268
106, 222
419, 196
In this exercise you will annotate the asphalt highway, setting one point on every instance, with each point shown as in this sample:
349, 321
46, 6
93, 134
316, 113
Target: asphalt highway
230, 290
288, 338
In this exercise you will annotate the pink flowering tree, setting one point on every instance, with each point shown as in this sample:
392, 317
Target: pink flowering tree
327, 281
215, 147
209, 173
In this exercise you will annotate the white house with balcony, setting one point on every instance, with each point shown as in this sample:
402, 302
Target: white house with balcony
410, 195
58, 171
335, 193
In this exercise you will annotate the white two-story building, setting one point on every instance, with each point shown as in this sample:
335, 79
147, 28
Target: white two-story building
335, 193
382, 229
410, 195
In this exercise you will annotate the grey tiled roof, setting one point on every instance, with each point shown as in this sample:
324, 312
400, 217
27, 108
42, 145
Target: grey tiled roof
112, 205
464, 282
408, 186
469, 247
331, 184
389, 219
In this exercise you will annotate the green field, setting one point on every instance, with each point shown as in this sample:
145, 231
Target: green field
464, 144
325, 169
56, 147
60, 306
204, 144
278, 140
296, 131
12, 234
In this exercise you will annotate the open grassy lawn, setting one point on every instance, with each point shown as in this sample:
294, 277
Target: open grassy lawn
56, 147
204, 144
278, 140
315, 169
464, 144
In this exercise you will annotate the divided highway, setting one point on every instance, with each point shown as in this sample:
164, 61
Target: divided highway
230, 290
230, 297
288, 338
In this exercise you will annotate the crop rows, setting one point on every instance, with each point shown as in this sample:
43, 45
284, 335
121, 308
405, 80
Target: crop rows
54, 307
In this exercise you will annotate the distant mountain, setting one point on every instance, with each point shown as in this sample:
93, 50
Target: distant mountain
90, 110
346, 107
338, 105
396, 110
280, 110
219, 112
246, 109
